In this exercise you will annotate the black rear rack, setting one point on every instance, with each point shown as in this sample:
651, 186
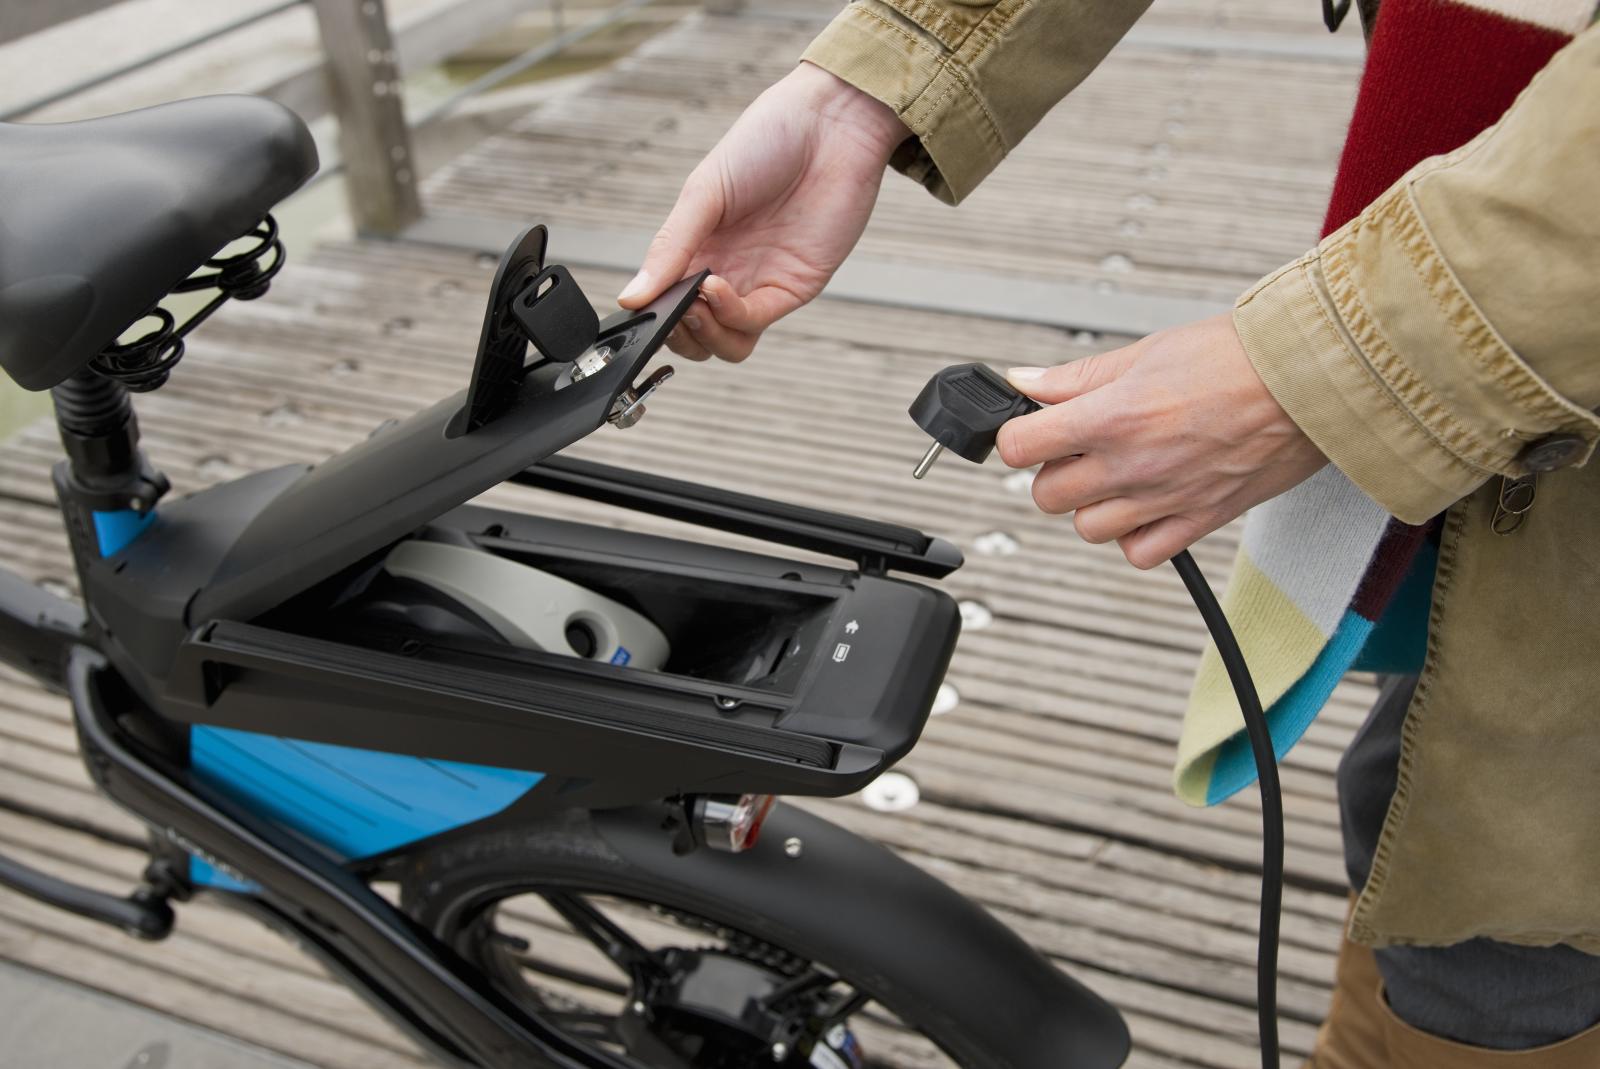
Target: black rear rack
876, 547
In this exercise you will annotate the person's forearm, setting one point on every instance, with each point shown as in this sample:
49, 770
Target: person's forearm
1441, 336
968, 79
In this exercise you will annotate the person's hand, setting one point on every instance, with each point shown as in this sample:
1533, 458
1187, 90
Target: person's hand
1159, 443
773, 210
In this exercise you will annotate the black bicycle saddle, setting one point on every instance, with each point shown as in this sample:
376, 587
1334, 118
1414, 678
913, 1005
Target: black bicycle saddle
100, 219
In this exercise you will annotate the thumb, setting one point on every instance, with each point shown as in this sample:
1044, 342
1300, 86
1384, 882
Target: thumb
1052, 385
690, 222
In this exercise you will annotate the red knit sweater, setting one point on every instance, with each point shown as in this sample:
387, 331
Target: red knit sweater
1438, 72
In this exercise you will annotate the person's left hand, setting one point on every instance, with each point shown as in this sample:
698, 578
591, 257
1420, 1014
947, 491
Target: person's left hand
1159, 443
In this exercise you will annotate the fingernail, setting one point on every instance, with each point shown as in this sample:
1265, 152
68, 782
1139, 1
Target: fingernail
692, 322
708, 294
1024, 376
635, 287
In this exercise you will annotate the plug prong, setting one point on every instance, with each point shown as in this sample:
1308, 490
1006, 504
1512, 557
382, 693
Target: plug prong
927, 460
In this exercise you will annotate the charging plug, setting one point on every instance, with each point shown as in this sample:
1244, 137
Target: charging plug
963, 408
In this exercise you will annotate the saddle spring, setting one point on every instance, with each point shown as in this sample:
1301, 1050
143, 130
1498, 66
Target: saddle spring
145, 363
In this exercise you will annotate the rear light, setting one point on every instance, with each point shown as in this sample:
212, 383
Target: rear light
731, 822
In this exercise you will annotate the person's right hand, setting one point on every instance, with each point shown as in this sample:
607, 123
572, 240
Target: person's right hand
773, 209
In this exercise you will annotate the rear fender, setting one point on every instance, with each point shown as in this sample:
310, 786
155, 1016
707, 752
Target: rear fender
858, 907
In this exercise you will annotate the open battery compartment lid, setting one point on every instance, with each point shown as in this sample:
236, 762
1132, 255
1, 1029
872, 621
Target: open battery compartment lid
411, 471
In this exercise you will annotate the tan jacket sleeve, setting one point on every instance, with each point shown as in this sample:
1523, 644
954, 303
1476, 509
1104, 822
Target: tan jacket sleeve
1451, 332
968, 77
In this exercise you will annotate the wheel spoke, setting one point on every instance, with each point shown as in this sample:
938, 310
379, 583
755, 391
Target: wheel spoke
848, 1003
623, 950
811, 980
543, 967
586, 1024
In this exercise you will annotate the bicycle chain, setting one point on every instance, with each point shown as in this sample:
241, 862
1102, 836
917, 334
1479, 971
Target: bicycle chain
741, 945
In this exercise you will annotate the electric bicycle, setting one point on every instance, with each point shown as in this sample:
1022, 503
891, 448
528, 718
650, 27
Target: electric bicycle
316, 679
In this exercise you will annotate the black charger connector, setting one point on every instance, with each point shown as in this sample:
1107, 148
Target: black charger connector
962, 408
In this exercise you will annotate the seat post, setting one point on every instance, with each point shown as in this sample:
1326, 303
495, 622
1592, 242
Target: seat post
105, 471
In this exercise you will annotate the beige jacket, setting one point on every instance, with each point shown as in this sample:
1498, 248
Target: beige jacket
1446, 339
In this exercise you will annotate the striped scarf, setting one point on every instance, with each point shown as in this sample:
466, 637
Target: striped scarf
1325, 580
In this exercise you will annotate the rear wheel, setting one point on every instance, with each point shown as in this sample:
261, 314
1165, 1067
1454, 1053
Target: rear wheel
659, 974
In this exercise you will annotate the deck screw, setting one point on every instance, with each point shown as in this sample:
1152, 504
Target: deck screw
638, 1008
793, 846
780, 1051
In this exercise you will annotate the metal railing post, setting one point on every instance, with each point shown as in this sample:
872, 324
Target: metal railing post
374, 141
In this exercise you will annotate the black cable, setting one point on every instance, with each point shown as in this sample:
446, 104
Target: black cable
1255, 725
963, 408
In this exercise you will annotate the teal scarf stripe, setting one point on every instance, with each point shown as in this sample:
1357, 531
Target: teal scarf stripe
1396, 643
1290, 716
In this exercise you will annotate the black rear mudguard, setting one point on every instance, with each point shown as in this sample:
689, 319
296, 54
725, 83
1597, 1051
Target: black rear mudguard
864, 911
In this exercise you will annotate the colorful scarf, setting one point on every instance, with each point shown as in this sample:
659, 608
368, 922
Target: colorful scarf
1325, 580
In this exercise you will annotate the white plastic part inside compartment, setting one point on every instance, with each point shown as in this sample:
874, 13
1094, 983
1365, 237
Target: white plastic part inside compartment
531, 608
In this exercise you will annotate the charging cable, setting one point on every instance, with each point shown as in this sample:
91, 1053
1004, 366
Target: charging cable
962, 408
1255, 726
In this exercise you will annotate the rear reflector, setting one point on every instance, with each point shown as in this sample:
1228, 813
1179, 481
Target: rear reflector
731, 822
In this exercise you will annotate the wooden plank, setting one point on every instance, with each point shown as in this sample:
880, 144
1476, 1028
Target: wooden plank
878, 282
1346, 48
259, 984
24, 17
1156, 154
206, 986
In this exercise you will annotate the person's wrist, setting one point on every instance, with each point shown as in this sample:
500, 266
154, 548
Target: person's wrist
841, 103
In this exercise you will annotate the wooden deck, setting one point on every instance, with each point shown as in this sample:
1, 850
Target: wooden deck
1196, 159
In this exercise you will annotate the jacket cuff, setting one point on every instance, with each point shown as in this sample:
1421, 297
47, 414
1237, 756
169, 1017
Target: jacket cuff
1379, 355
874, 48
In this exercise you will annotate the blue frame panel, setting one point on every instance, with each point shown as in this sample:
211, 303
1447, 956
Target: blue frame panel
355, 802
